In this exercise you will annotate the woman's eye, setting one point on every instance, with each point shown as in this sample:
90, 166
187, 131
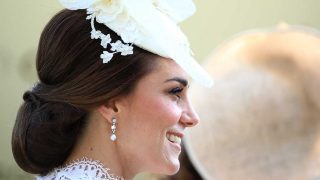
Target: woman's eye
176, 91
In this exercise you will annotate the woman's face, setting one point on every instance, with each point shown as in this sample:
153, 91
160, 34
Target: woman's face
152, 120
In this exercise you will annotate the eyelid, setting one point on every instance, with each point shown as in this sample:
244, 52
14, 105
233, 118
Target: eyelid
176, 91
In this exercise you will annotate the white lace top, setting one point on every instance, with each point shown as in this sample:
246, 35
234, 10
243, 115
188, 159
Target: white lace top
83, 169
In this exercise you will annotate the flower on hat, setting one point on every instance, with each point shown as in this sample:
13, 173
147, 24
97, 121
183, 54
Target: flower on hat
124, 49
105, 40
107, 10
106, 56
95, 34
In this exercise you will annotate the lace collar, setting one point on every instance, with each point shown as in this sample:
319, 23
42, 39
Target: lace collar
82, 169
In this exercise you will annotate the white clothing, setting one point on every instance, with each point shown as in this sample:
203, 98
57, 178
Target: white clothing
84, 169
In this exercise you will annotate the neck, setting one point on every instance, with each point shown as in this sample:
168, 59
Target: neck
95, 144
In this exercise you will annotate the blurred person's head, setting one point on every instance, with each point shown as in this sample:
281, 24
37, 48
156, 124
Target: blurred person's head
261, 120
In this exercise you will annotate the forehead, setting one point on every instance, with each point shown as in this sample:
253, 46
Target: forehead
166, 68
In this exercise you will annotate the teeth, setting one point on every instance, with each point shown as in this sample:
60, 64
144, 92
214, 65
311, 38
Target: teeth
174, 138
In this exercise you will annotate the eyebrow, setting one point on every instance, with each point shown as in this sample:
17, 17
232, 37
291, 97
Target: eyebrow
182, 81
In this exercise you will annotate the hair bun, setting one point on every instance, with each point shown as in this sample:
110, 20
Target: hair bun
45, 134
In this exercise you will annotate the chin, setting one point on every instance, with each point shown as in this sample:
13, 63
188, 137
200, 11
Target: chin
173, 168
169, 168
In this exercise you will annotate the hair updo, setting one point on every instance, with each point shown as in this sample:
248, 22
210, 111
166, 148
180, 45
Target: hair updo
72, 80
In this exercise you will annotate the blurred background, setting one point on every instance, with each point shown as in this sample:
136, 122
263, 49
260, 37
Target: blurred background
214, 22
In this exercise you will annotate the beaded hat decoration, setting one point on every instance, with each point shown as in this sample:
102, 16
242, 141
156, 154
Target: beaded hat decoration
148, 24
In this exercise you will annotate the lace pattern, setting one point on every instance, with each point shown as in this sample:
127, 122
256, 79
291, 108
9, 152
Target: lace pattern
82, 169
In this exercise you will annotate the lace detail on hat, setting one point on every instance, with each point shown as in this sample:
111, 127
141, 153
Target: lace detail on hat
116, 47
82, 169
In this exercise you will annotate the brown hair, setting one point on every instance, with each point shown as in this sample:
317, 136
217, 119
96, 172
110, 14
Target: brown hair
72, 80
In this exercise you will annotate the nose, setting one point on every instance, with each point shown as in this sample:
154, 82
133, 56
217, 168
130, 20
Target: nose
189, 117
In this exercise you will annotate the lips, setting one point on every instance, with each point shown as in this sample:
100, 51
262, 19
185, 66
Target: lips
174, 137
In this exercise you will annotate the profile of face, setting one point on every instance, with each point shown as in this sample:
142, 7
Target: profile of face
152, 119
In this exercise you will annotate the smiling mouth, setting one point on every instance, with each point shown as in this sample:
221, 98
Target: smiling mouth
173, 138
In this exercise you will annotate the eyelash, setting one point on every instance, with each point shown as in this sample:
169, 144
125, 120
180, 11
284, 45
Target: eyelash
176, 91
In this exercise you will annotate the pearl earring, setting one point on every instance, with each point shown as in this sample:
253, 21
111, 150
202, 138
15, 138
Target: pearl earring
113, 136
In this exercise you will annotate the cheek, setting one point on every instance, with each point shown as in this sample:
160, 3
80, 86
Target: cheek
163, 110
150, 118
144, 136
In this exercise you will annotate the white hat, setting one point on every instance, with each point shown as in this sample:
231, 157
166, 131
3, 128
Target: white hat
148, 24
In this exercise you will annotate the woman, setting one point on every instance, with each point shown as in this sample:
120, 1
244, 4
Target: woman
109, 119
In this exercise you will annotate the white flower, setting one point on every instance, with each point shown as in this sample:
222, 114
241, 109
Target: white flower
106, 56
105, 40
95, 34
108, 10
116, 45
126, 50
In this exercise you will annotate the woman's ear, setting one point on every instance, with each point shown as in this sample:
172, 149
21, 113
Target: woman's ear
112, 108
107, 111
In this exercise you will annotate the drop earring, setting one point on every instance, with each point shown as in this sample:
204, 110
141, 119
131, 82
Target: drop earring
113, 136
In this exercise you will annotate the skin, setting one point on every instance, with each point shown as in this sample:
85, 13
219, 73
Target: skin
159, 105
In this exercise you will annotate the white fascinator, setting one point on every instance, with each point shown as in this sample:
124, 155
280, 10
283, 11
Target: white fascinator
148, 24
